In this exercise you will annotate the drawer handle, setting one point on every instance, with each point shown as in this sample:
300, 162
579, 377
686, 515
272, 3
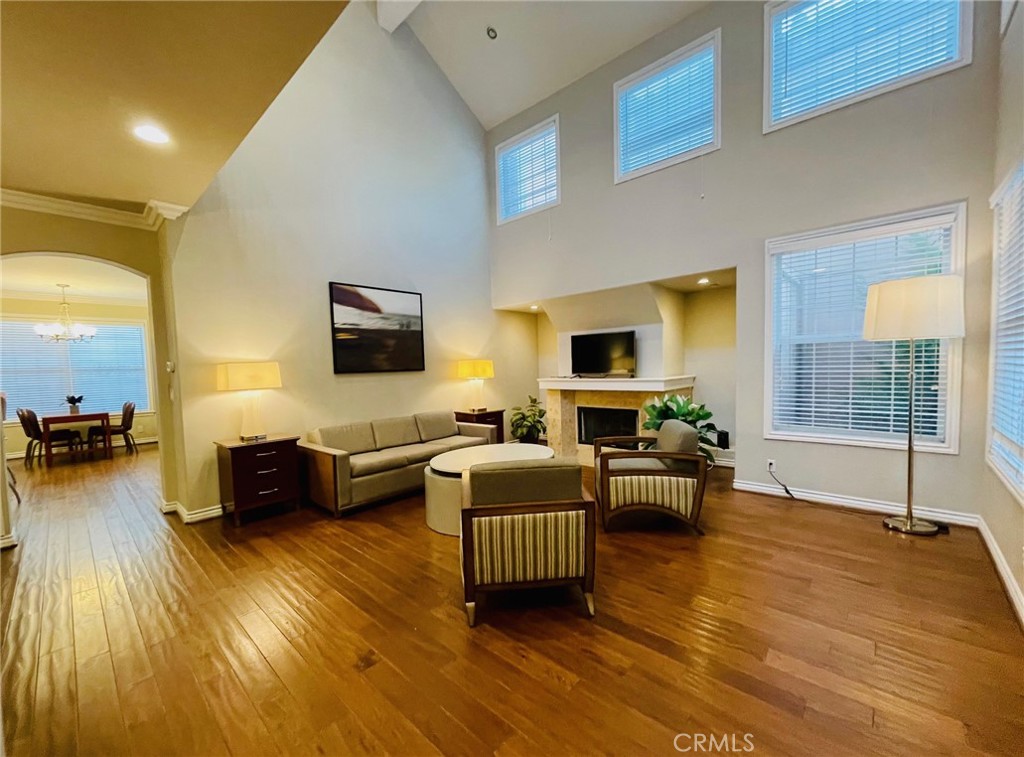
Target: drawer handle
269, 491
269, 470
264, 454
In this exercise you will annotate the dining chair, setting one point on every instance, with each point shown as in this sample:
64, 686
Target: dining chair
61, 437
97, 433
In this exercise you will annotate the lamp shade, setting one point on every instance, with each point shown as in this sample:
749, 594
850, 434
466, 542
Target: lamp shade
476, 369
238, 376
924, 307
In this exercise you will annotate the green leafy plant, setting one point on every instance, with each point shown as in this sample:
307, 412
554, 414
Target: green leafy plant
673, 406
527, 422
73, 400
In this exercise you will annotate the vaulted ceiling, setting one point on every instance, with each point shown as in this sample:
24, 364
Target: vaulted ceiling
540, 47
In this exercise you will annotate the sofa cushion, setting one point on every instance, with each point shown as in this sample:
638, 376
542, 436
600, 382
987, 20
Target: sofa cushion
377, 461
676, 436
456, 442
436, 425
351, 437
637, 463
394, 432
418, 453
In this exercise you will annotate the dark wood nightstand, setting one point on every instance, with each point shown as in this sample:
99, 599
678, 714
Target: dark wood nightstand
491, 417
253, 474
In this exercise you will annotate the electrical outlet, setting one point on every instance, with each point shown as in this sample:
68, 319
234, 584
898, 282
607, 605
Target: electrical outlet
771, 465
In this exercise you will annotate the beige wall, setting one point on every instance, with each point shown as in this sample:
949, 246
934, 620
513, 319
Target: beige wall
547, 348
927, 144
709, 352
368, 168
136, 249
146, 423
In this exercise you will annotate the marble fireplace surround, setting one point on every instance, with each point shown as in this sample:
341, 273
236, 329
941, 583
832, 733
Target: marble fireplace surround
563, 396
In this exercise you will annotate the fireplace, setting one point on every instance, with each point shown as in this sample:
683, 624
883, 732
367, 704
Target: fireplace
594, 422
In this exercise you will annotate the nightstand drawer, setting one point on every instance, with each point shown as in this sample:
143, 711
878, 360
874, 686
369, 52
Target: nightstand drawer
262, 456
279, 481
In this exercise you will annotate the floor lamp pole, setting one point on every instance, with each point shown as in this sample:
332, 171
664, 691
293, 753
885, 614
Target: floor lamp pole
909, 524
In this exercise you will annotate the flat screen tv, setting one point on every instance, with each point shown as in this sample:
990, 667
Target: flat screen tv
603, 355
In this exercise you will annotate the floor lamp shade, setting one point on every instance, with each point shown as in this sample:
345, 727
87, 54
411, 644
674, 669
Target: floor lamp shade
250, 378
924, 307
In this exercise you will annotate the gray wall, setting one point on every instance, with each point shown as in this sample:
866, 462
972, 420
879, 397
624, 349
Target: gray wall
927, 144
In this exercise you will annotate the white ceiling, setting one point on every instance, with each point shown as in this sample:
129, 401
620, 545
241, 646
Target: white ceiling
541, 46
38, 275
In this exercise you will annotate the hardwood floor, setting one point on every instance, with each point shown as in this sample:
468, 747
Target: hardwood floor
811, 629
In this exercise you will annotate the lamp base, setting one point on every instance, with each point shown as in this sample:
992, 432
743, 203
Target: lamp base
256, 438
914, 526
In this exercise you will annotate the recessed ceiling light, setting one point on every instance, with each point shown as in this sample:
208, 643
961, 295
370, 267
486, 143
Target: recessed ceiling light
704, 281
534, 307
151, 133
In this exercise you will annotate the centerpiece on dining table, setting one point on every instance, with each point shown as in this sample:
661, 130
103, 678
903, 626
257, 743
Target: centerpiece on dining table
74, 402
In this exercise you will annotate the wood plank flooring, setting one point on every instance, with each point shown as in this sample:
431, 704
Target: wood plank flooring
811, 629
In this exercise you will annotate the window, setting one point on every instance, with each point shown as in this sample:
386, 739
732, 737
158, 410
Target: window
109, 370
826, 383
668, 112
528, 171
1006, 413
824, 54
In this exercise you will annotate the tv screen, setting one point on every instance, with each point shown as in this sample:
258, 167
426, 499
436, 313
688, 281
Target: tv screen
604, 354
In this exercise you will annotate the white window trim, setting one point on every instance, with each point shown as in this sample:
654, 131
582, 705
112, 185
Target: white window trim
712, 39
955, 214
524, 136
994, 200
147, 336
770, 9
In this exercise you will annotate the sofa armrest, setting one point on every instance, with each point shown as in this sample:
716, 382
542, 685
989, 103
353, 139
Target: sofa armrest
326, 475
483, 430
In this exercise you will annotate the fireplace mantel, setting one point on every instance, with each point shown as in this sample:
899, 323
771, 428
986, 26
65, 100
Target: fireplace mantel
668, 384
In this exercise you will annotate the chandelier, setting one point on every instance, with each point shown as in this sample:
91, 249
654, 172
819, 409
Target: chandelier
64, 330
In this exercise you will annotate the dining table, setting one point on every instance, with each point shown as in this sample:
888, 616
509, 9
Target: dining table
67, 418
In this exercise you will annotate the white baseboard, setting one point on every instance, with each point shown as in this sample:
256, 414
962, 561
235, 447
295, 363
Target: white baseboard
972, 520
119, 443
8, 540
191, 516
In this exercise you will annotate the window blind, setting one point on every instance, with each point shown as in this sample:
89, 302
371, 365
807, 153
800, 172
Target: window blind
528, 171
825, 52
109, 370
1006, 446
828, 382
665, 113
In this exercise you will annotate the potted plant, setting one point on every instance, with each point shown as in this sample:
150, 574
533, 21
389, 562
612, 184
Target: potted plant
527, 422
74, 402
681, 408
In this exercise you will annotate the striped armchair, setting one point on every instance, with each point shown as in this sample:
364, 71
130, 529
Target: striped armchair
667, 478
525, 524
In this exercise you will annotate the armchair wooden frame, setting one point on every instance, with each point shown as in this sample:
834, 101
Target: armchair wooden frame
603, 475
585, 582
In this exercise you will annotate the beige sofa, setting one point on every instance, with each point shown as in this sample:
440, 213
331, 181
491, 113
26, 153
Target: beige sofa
355, 463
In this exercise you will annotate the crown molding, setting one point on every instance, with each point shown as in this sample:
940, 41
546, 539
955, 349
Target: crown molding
150, 219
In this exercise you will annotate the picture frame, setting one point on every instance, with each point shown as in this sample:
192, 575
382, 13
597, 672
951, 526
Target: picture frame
375, 330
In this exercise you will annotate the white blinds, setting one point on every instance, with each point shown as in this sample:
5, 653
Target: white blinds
826, 51
528, 171
827, 382
1006, 448
109, 370
669, 111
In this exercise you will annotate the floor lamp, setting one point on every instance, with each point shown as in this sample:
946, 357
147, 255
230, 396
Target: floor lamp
925, 307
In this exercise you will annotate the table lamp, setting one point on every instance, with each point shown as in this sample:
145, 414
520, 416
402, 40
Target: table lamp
250, 378
476, 371
924, 307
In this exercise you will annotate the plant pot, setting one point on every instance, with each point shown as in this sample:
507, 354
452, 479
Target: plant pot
75, 409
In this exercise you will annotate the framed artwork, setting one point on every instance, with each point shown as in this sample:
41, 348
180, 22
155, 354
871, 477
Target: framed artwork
375, 330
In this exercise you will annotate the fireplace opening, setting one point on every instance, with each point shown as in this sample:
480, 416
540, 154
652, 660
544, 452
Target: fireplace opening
594, 422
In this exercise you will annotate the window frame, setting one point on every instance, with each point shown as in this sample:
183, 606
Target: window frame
150, 365
518, 139
902, 223
997, 196
772, 8
714, 39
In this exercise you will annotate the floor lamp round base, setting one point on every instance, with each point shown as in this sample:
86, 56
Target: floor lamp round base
915, 526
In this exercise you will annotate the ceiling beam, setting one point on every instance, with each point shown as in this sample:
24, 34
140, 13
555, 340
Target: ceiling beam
391, 13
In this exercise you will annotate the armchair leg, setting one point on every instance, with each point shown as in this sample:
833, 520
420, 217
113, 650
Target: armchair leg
471, 613
588, 596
